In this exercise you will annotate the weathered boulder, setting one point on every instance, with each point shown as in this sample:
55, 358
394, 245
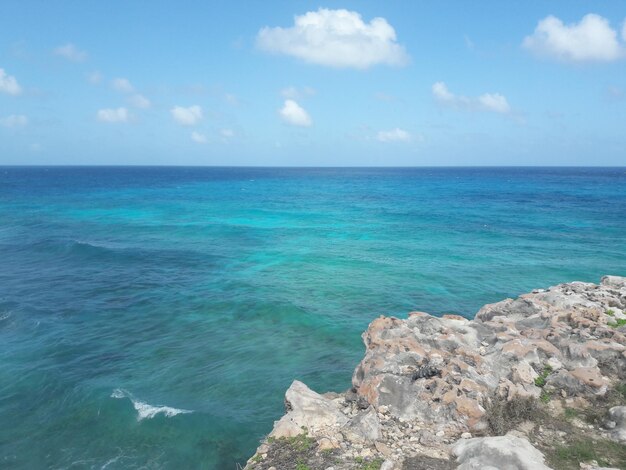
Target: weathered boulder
307, 410
499, 452
617, 418
363, 427
593, 465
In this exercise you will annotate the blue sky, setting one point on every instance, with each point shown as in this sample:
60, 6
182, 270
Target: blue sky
302, 83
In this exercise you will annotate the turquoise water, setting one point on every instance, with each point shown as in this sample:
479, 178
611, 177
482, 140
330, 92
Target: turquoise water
208, 290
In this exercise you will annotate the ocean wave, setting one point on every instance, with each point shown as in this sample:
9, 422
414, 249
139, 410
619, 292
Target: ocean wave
145, 410
71, 247
90, 244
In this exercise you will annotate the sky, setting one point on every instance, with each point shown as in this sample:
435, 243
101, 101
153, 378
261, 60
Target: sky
298, 83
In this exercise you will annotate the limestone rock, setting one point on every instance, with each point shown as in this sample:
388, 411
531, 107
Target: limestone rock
617, 415
389, 465
363, 427
593, 465
614, 281
308, 411
424, 381
440, 370
383, 449
499, 452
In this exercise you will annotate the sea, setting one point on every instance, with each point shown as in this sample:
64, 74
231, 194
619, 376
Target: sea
153, 317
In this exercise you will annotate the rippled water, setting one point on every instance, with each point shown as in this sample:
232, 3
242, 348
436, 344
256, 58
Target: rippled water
153, 317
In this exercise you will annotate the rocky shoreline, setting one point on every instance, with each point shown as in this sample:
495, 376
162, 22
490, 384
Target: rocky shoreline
536, 382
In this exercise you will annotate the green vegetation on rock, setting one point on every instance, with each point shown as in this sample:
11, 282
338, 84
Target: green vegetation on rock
606, 453
618, 322
502, 415
541, 380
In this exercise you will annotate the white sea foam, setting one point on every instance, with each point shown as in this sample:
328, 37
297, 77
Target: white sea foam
119, 393
109, 462
145, 410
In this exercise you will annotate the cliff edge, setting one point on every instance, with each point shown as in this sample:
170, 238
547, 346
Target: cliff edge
536, 382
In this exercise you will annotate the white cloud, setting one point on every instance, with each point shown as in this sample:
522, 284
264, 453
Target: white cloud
122, 85
231, 99
139, 101
441, 92
70, 52
8, 84
335, 38
592, 39
614, 92
393, 135
292, 113
14, 121
113, 115
291, 92
227, 133
382, 96
198, 138
494, 102
187, 116
94, 78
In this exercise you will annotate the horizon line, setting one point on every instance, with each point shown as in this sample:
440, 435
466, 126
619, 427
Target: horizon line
54, 165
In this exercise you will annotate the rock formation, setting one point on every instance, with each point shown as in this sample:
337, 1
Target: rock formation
427, 385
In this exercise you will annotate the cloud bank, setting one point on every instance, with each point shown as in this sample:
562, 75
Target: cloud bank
590, 40
292, 113
493, 102
335, 38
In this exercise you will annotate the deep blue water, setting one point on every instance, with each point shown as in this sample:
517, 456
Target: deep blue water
210, 289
